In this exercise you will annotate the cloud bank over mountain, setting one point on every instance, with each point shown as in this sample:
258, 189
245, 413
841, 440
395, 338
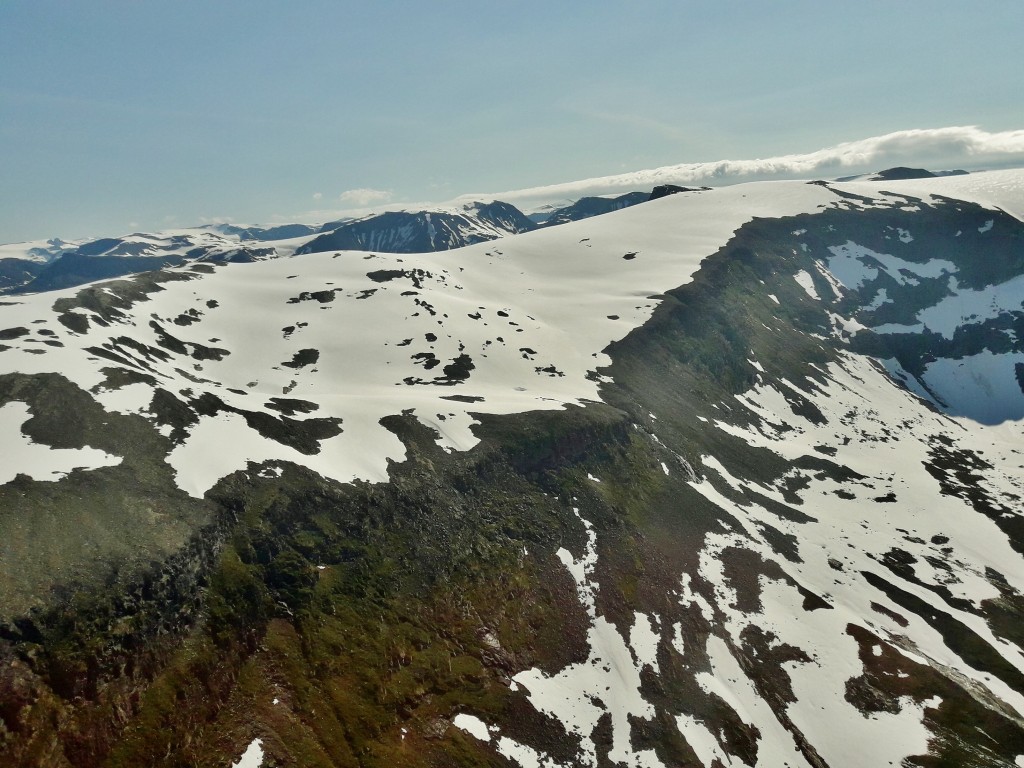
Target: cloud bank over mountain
936, 148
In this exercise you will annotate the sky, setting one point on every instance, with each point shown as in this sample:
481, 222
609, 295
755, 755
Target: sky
124, 115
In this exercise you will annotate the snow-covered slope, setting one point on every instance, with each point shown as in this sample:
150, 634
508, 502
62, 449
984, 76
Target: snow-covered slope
802, 548
358, 337
878, 552
525, 324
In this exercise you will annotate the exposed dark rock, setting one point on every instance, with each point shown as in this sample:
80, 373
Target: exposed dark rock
664, 190
302, 358
586, 207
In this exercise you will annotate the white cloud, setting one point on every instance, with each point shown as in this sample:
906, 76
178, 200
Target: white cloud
935, 148
965, 147
318, 195
364, 196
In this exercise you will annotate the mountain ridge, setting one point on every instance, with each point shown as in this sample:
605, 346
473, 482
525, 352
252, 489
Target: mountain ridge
663, 438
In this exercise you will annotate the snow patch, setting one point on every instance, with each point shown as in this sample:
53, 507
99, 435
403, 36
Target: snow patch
472, 725
854, 265
252, 757
882, 297
804, 280
643, 639
982, 387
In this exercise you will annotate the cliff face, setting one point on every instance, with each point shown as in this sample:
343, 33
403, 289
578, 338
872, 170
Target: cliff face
760, 547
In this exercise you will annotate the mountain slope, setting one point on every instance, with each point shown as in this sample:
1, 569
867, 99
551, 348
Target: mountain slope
586, 207
639, 489
424, 231
20, 263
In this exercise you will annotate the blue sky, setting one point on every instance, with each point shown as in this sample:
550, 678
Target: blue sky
123, 115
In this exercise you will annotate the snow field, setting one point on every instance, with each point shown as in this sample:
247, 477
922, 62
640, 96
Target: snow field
533, 314
847, 536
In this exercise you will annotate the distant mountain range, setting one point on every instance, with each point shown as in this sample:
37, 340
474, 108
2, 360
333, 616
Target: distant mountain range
57, 264
423, 231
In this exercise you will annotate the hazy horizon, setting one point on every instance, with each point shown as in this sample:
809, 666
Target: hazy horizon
121, 116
